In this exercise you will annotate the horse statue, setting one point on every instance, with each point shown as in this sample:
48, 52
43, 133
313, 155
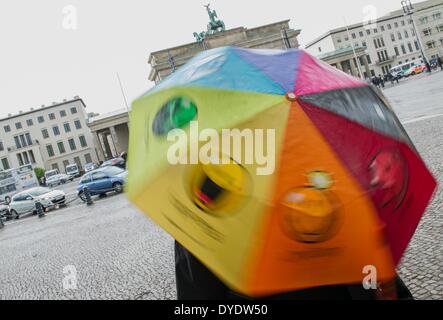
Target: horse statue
199, 36
214, 25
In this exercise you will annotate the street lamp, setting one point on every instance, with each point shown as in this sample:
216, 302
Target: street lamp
408, 10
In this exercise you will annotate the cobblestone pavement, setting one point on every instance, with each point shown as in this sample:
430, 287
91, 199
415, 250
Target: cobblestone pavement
118, 253
419, 105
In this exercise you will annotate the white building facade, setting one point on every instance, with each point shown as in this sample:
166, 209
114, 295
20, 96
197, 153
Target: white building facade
49, 137
391, 40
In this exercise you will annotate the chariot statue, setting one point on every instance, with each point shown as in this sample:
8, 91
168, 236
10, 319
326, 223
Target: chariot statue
214, 26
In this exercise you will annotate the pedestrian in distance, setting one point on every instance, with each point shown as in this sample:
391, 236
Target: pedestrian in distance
440, 62
381, 81
375, 81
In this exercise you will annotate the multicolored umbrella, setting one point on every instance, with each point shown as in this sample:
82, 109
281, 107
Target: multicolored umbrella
347, 192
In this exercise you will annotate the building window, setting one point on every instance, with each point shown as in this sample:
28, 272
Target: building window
77, 124
410, 48
18, 125
62, 113
7, 128
41, 119
17, 142
382, 28
375, 44
51, 116
5, 164
363, 44
399, 36
361, 34
45, 133
396, 24
368, 58
56, 130
88, 158
413, 32
67, 127
50, 150
65, 164
78, 162
26, 158
83, 141
72, 144
392, 37
61, 147
338, 40
403, 23
440, 28
28, 139
368, 32
403, 49
375, 30
31, 156
406, 34
389, 26
417, 46
436, 16
423, 20
319, 49
55, 167
29, 122
20, 159
354, 36
427, 32
396, 51
73, 110
2, 147
430, 44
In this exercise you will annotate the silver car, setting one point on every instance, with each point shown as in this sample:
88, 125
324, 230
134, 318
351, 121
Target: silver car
24, 202
58, 179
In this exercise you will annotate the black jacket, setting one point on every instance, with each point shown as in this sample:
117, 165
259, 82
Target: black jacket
195, 282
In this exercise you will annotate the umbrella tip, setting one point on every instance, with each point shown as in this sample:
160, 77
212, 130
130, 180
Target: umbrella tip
291, 96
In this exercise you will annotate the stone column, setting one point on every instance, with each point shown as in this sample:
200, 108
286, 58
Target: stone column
339, 66
98, 146
354, 67
103, 137
115, 140
367, 69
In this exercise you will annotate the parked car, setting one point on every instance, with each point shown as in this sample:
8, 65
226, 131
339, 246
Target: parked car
412, 71
58, 179
51, 173
90, 166
419, 69
73, 170
24, 201
102, 181
116, 162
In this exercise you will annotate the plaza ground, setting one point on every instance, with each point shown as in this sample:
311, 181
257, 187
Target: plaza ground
118, 253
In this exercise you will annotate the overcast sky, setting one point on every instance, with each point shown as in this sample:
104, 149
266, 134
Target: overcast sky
41, 61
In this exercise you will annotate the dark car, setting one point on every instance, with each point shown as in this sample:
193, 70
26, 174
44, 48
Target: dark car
102, 181
116, 162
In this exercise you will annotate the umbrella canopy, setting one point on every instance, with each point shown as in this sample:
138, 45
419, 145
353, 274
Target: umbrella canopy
342, 186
